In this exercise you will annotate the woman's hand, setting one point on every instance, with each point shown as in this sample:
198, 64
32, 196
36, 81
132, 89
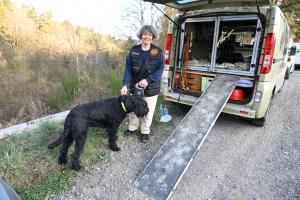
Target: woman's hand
143, 83
124, 90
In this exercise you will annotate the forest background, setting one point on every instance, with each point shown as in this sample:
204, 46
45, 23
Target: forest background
50, 66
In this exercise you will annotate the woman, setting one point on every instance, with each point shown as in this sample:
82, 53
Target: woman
144, 65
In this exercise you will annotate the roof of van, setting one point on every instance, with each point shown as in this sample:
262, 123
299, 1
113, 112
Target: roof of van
183, 5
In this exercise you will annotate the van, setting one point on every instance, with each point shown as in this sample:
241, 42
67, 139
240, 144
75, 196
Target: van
245, 38
297, 57
290, 64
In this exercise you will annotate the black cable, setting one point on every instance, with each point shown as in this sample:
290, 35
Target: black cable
261, 21
169, 17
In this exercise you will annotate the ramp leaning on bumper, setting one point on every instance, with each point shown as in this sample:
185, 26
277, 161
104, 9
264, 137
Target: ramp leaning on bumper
167, 167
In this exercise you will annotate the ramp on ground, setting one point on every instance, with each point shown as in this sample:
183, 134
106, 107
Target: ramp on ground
167, 167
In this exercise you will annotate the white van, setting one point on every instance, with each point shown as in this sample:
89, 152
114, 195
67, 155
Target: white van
297, 57
228, 37
290, 64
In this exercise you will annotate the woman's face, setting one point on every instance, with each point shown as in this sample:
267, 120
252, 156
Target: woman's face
147, 38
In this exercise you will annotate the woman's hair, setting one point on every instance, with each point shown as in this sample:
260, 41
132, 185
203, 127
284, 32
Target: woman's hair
148, 28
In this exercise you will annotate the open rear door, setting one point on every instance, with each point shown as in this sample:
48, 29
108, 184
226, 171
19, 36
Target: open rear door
184, 5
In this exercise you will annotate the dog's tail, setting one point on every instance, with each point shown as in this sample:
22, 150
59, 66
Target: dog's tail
60, 139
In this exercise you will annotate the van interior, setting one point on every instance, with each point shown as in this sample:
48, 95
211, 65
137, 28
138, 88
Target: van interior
214, 45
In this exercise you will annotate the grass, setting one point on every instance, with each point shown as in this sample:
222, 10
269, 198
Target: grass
64, 94
29, 167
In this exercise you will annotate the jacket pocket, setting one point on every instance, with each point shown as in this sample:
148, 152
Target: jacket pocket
153, 89
135, 63
153, 61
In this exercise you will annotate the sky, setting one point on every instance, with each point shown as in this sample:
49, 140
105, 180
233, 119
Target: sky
101, 15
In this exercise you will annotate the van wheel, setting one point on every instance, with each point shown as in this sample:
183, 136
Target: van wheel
287, 74
281, 87
262, 121
292, 69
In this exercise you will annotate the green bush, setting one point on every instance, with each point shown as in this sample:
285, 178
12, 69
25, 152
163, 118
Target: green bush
65, 93
115, 80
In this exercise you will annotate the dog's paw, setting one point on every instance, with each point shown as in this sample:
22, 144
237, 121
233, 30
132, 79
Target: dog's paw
76, 167
115, 148
62, 160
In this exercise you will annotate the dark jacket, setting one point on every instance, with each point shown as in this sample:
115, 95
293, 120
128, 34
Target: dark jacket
149, 67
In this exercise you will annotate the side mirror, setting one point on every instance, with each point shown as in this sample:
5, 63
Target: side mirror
293, 50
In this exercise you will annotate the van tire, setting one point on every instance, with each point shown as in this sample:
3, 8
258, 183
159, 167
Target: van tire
281, 87
292, 69
262, 121
287, 74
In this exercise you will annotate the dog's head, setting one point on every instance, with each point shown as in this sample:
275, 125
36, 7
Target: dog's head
135, 103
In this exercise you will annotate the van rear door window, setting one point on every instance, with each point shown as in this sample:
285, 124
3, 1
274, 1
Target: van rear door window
221, 44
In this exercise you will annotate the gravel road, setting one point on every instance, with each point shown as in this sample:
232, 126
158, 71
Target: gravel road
236, 161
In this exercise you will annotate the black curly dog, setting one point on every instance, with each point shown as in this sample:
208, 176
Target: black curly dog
107, 113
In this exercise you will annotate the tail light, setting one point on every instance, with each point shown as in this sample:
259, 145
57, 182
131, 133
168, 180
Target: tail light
268, 54
168, 49
289, 59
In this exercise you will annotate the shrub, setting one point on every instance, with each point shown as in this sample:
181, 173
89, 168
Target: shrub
115, 82
65, 93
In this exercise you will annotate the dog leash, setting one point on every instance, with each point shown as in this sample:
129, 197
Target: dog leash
137, 90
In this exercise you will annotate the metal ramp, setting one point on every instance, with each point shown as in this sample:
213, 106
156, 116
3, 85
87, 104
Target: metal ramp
167, 167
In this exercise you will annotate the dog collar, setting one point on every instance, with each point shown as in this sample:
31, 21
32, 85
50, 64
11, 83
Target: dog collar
123, 106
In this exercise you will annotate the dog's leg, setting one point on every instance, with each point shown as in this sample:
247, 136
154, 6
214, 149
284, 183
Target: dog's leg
112, 134
79, 144
62, 159
66, 133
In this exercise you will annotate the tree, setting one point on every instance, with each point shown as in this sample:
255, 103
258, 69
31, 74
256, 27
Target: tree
73, 37
111, 59
291, 10
44, 21
99, 43
133, 14
137, 13
163, 26
32, 13
4, 5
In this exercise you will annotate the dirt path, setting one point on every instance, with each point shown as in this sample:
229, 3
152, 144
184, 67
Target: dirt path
236, 161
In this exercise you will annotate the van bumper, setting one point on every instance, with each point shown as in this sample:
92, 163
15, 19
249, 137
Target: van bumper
230, 108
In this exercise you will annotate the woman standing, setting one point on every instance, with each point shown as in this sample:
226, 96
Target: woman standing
144, 65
